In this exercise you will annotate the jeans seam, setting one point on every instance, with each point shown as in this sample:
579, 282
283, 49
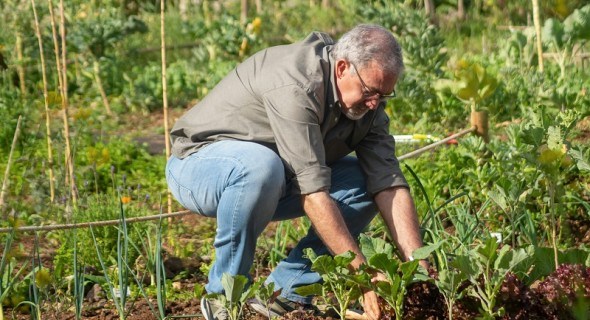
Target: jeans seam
243, 181
189, 191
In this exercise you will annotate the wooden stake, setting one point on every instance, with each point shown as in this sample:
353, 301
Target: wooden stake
479, 120
62, 78
3, 191
537, 22
244, 12
165, 91
46, 102
65, 98
20, 65
429, 9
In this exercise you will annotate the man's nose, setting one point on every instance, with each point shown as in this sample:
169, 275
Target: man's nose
372, 103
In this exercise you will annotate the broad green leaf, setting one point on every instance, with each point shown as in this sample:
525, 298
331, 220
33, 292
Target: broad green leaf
488, 250
581, 161
385, 264
323, 265
310, 290
553, 33
344, 259
442, 84
499, 197
498, 262
371, 246
425, 251
577, 25
233, 286
554, 138
544, 262
533, 136
408, 269
466, 265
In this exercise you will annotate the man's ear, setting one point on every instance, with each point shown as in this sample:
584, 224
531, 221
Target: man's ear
341, 66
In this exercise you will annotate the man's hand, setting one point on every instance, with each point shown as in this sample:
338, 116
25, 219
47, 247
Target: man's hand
371, 305
370, 299
329, 225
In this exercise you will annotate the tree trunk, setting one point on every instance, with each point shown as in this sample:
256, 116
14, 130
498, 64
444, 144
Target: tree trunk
430, 10
244, 12
461, 9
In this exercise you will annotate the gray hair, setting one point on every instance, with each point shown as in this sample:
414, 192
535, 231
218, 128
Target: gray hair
365, 43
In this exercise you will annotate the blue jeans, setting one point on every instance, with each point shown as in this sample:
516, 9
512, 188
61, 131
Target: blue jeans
243, 185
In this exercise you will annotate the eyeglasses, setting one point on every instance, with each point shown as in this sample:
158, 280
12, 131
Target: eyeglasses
371, 94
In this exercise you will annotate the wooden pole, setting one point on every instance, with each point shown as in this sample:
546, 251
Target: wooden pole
65, 99
165, 92
537, 22
46, 102
479, 120
20, 65
461, 10
244, 12
429, 9
62, 79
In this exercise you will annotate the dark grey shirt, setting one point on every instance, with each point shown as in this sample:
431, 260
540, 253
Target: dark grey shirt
285, 98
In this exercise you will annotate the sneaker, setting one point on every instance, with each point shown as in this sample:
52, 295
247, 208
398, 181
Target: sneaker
280, 307
213, 309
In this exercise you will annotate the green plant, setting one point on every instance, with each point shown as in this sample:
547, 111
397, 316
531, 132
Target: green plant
78, 271
486, 267
398, 275
266, 293
569, 36
471, 83
119, 293
236, 293
550, 154
449, 282
338, 279
9, 276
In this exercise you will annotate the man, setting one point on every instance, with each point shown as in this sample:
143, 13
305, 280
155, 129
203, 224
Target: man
271, 142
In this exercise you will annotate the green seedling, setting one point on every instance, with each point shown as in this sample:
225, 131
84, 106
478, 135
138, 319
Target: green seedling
338, 279
398, 275
8, 276
266, 293
486, 267
236, 293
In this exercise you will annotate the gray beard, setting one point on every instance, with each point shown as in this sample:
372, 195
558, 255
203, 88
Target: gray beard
355, 113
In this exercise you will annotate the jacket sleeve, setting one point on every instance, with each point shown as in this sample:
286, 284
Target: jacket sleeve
376, 154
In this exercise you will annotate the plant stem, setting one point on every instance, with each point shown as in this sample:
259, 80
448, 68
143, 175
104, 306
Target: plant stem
8, 165
551, 189
103, 94
46, 102
19, 67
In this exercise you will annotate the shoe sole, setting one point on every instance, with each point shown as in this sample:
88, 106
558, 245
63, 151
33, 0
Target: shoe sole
206, 309
261, 309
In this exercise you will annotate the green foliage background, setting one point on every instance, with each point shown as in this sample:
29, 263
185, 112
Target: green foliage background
534, 169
